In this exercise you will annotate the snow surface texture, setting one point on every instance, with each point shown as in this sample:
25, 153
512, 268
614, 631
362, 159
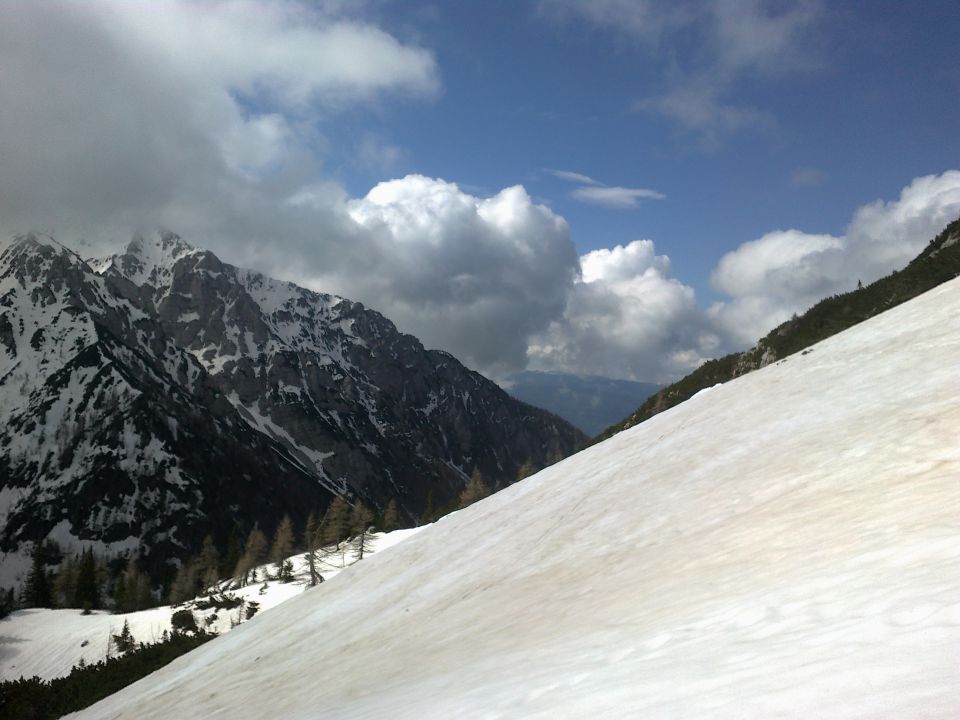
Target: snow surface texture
784, 546
48, 643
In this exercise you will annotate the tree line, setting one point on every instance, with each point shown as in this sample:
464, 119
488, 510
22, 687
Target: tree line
89, 581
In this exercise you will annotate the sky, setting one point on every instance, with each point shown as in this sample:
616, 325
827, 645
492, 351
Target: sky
619, 188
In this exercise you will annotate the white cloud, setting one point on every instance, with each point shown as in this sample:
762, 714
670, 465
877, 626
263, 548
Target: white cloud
623, 262
808, 177
626, 318
783, 262
193, 115
734, 39
787, 271
575, 177
287, 52
200, 118
646, 20
762, 37
769, 279
595, 192
615, 197
475, 276
696, 106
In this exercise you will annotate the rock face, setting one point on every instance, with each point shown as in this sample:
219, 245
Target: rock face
155, 396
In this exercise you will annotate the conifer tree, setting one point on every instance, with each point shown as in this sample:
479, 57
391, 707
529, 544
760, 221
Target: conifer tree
231, 557
124, 641
336, 526
391, 517
282, 547
428, 511
254, 554
360, 519
36, 591
184, 585
133, 591
87, 594
65, 584
208, 565
475, 489
131, 582
526, 470
7, 602
120, 594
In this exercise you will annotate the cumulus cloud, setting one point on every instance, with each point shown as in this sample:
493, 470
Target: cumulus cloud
787, 271
626, 318
476, 276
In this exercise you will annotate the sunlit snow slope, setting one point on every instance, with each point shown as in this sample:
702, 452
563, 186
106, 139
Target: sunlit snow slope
785, 545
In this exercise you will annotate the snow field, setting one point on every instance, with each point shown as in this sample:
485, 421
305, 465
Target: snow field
784, 546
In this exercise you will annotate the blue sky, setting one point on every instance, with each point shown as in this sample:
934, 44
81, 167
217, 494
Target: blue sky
614, 187
864, 110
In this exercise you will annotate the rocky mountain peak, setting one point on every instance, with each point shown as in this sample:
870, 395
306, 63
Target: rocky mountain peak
36, 248
150, 258
160, 247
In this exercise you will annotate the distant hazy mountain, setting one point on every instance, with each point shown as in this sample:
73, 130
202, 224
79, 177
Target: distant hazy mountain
589, 402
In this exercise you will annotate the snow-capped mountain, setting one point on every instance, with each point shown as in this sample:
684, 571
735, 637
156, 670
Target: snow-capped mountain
158, 395
784, 545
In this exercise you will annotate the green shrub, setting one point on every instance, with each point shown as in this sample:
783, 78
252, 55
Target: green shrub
183, 621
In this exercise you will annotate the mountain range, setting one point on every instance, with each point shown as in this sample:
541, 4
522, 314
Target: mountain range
159, 395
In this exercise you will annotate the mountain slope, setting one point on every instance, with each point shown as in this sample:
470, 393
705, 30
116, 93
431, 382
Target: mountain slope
167, 395
588, 402
785, 545
365, 408
103, 416
939, 262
